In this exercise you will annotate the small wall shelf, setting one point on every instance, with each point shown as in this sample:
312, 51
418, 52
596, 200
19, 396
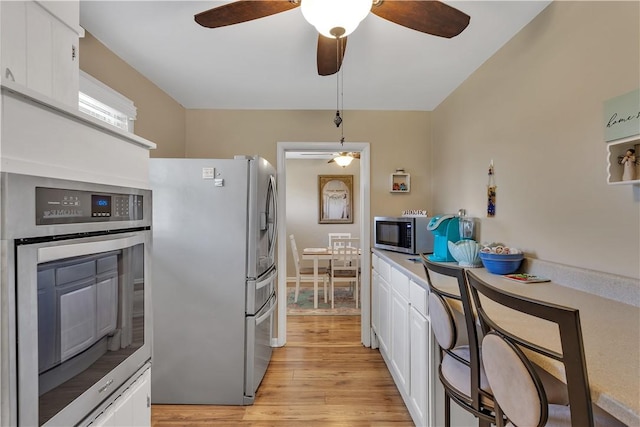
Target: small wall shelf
617, 149
400, 182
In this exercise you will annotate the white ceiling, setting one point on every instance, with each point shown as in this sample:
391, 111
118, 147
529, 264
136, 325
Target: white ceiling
270, 63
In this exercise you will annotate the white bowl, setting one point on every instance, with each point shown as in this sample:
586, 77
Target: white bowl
466, 252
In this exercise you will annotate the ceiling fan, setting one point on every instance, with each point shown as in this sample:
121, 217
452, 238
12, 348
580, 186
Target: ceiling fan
344, 158
427, 16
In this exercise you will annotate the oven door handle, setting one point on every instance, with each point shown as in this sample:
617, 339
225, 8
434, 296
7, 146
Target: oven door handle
52, 253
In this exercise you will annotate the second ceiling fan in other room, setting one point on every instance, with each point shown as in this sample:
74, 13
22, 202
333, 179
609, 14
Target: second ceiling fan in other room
344, 159
427, 16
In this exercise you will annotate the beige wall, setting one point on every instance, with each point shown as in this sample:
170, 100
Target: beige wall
302, 205
397, 140
160, 118
535, 108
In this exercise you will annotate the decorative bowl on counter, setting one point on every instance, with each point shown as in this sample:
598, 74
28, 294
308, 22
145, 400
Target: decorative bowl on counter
466, 252
501, 263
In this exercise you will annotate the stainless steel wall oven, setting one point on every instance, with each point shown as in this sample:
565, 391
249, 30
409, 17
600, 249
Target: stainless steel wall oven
78, 288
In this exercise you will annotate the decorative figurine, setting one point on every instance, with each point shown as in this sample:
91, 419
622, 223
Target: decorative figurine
491, 193
628, 161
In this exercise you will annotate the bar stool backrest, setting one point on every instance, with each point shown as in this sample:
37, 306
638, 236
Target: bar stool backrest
572, 354
464, 330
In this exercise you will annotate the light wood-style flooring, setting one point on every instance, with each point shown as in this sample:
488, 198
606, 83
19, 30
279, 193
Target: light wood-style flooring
322, 377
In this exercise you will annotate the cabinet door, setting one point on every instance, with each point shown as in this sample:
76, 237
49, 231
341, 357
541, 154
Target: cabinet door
131, 409
384, 301
141, 400
13, 41
39, 49
400, 339
64, 68
375, 308
420, 356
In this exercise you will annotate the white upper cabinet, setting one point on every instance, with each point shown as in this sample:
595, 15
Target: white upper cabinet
39, 47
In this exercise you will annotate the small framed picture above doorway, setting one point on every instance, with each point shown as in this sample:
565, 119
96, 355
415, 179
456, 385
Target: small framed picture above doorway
335, 199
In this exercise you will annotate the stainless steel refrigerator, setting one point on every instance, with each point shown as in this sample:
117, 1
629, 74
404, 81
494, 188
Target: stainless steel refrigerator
214, 278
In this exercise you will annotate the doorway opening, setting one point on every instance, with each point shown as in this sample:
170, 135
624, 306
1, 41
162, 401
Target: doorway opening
362, 214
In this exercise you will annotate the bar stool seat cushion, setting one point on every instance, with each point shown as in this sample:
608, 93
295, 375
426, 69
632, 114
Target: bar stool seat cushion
457, 374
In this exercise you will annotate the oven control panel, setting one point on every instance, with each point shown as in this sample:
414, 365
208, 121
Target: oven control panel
61, 206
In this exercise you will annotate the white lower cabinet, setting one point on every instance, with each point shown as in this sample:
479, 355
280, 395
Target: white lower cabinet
423, 355
384, 300
401, 323
420, 355
131, 409
381, 314
400, 344
375, 303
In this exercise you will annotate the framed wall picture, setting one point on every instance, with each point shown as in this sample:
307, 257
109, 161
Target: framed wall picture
335, 199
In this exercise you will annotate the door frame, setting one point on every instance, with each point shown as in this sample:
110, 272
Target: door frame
365, 227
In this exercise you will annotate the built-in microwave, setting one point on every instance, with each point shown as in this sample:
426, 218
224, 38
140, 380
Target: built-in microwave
403, 234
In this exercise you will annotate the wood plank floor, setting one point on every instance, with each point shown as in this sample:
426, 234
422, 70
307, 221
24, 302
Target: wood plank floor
322, 377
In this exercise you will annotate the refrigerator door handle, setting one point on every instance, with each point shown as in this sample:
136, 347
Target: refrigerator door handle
272, 197
254, 301
262, 317
267, 280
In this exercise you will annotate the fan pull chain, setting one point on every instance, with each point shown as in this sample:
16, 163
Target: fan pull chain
341, 72
337, 120
339, 89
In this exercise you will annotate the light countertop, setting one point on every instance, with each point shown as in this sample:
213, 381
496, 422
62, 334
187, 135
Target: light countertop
611, 334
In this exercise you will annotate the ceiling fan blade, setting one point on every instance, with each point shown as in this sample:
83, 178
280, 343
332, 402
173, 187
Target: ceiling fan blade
430, 16
330, 55
242, 11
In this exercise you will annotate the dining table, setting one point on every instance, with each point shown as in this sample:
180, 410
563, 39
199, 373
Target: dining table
316, 255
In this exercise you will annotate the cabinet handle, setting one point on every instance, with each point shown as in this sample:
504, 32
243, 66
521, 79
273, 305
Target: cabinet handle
8, 74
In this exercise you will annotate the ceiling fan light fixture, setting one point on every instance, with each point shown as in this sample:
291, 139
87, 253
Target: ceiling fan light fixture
335, 18
343, 160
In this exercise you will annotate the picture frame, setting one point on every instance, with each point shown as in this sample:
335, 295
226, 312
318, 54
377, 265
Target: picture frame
335, 199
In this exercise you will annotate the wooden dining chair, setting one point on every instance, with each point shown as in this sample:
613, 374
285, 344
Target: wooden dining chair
305, 273
520, 397
333, 236
345, 266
